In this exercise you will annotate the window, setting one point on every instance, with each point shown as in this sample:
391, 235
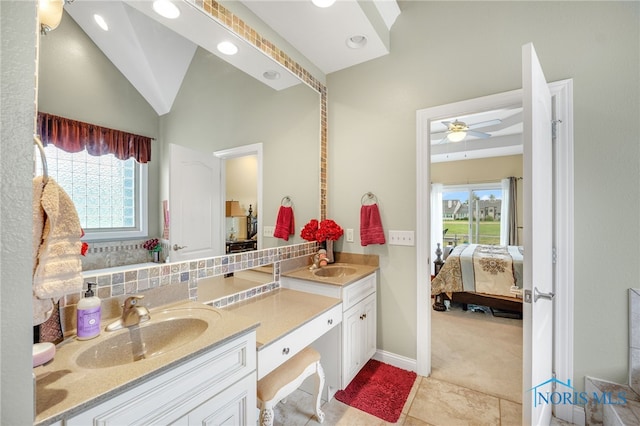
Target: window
472, 214
109, 194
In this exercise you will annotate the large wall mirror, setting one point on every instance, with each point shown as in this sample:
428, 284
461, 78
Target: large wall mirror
216, 107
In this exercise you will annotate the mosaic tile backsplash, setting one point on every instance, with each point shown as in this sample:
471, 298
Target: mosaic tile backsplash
132, 279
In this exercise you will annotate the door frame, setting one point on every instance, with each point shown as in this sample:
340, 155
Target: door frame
562, 92
241, 151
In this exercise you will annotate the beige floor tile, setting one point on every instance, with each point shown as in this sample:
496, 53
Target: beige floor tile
510, 413
440, 403
339, 414
412, 421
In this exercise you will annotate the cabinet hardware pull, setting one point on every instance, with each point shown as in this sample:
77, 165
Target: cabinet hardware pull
330, 321
285, 351
177, 247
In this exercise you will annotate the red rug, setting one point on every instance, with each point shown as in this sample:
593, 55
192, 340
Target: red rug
379, 389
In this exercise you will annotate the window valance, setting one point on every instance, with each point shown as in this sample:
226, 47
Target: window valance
74, 136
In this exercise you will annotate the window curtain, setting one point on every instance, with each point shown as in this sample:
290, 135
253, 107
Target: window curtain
436, 221
75, 136
508, 212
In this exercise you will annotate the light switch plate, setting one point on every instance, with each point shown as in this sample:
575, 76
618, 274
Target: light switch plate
349, 235
267, 231
401, 238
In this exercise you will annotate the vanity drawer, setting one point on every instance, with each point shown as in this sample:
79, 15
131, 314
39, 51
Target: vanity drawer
357, 291
279, 351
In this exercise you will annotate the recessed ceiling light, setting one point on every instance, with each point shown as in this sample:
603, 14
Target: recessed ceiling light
271, 75
357, 41
227, 48
101, 22
166, 8
323, 3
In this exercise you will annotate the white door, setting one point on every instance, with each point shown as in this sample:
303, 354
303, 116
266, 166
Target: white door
195, 204
538, 236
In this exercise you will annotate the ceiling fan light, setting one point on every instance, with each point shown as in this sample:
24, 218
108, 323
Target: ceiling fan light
50, 14
456, 136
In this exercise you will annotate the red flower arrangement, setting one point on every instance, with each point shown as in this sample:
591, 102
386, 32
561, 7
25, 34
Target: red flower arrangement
152, 245
323, 231
85, 246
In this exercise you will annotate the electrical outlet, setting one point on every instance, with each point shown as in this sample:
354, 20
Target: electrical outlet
267, 231
349, 235
401, 238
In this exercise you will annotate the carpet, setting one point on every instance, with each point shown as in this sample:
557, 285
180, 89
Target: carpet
379, 389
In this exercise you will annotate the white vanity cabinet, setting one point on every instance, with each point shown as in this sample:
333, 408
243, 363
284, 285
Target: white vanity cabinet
216, 387
356, 340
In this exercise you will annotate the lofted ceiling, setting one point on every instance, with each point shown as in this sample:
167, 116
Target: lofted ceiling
154, 53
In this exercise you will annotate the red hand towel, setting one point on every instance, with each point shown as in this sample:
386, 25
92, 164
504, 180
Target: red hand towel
371, 231
284, 223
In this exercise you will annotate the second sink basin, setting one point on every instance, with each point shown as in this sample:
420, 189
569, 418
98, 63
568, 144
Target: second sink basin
165, 331
334, 271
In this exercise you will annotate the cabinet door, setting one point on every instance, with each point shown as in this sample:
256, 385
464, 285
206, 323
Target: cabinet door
359, 337
234, 406
370, 328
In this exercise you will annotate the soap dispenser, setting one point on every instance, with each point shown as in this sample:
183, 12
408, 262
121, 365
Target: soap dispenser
88, 314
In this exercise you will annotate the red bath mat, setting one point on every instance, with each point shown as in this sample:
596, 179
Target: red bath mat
379, 389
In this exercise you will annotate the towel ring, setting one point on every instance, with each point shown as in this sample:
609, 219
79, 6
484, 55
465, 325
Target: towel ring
286, 201
43, 157
369, 196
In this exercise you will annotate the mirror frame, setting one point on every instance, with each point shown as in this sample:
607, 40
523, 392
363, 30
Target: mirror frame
225, 17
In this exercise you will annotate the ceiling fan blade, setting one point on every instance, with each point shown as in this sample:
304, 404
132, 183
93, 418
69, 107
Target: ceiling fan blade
480, 135
441, 141
485, 123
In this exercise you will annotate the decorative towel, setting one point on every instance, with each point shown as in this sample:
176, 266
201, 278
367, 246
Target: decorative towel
371, 231
42, 309
284, 223
58, 269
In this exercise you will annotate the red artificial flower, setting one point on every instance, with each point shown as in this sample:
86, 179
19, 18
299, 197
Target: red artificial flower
329, 230
85, 246
320, 232
309, 231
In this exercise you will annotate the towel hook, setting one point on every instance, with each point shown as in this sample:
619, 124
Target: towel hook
286, 201
43, 157
369, 196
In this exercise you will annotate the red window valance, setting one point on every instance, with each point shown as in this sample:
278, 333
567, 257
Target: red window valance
74, 136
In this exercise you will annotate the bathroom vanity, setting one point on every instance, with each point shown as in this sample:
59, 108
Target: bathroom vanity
355, 285
199, 366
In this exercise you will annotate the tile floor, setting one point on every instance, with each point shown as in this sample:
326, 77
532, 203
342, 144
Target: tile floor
431, 402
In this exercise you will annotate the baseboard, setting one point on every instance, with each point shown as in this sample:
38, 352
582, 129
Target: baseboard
396, 360
579, 416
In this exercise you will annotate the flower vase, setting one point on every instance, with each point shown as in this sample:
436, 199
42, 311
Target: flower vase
156, 256
329, 248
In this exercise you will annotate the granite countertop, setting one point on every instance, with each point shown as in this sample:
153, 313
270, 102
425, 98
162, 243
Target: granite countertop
361, 271
63, 389
281, 311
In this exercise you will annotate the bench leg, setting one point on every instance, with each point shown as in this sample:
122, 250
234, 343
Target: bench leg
319, 378
266, 416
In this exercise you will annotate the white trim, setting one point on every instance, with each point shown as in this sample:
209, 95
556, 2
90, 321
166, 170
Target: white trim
242, 151
564, 240
564, 270
395, 360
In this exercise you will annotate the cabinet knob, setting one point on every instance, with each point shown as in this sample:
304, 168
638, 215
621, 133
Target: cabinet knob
363, 316
330, 321
285, 351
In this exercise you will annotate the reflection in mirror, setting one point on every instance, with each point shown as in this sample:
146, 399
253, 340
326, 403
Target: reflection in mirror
212, 289
217, 107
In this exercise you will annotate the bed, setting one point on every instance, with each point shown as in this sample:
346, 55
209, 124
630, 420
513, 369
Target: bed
478, 274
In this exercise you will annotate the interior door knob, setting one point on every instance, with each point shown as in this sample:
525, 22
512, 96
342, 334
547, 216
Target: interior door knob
177, 247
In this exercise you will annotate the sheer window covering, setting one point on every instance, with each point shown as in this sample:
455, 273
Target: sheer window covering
436, 221
508, 222
75, 136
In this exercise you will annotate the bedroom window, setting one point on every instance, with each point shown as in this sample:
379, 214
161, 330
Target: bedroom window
471, 214
109, 194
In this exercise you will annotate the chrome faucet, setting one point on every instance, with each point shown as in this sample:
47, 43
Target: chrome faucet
132, 314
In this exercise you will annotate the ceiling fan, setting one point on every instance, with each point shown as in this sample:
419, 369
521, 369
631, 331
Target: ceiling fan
458, 130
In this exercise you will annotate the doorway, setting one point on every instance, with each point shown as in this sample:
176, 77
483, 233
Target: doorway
563, 229
235, 156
